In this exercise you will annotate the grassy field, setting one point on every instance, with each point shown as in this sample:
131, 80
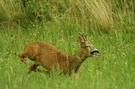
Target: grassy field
113, 68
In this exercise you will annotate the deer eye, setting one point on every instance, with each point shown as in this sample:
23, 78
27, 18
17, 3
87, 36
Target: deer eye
87, 47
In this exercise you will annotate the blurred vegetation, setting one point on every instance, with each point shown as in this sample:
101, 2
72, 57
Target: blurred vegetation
103, 14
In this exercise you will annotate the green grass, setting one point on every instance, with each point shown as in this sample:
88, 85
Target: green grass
114, 68
111, 30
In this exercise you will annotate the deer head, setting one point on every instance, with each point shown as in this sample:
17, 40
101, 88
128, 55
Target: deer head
86, 46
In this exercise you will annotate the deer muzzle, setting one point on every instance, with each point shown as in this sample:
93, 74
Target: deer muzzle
94, 53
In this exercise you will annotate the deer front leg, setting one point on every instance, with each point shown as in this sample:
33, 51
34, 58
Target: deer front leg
34, 68
76, 74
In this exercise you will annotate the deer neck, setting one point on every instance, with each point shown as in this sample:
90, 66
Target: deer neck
76, 60
80, 56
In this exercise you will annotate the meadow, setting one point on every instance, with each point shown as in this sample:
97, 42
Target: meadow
109, 25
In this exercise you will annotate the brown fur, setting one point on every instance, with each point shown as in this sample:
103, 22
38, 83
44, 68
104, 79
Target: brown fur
49, 57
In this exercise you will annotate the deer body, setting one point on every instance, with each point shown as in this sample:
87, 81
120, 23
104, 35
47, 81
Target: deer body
50, 57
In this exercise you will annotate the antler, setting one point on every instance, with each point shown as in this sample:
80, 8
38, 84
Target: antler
82, 37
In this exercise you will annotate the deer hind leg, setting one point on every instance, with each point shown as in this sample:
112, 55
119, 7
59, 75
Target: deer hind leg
22, 56
33, 68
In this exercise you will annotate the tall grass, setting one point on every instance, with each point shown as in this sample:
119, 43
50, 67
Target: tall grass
101, 12
10, 12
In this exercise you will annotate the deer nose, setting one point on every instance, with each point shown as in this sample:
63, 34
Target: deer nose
95, 51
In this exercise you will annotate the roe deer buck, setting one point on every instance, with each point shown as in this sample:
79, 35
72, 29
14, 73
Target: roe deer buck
49, 57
